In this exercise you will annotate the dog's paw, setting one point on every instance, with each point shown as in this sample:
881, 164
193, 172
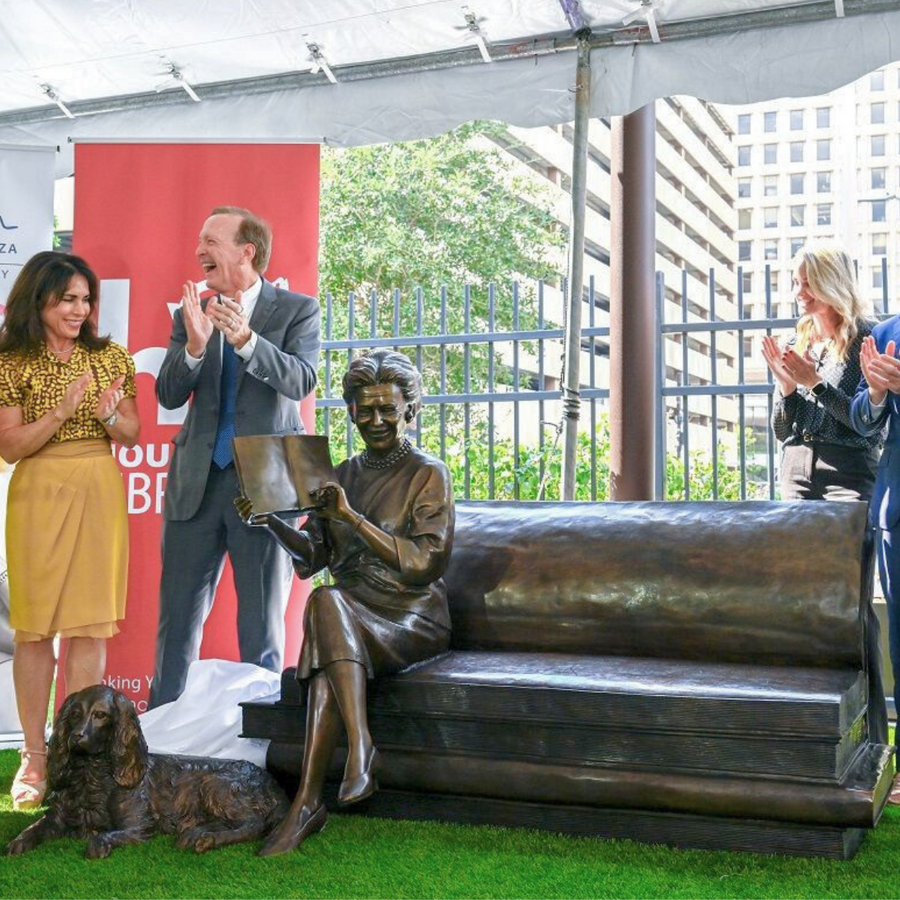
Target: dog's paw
187, 838
204, 842
18, 845
98, 847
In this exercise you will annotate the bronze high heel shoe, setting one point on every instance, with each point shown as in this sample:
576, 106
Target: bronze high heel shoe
286, 838
27, 794
362, 786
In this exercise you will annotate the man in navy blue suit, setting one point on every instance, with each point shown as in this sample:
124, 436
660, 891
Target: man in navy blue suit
876, 404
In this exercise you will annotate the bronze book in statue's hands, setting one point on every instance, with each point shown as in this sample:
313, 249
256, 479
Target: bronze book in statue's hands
277, 473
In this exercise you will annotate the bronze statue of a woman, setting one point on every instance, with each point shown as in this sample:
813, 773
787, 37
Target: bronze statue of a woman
385, 531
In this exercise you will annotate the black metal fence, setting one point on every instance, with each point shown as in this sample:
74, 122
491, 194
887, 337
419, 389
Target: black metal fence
491, 360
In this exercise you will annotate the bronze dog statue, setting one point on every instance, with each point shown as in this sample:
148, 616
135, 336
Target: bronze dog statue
106, 787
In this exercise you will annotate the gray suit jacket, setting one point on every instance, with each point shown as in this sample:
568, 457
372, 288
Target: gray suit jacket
281, 371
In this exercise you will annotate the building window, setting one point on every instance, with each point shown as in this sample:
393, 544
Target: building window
796, 244
769, 121
744, 218
877, 145
823, 182
744, 156
770, 217
876, 80
877, 277
823, 117
770, 185
773, 282
797, 180
747, 283
879, 245
797, 216
878, 178
770, 249
770, 154
823, 149
823, 214
879, 211
876, 113
796, 151
744, 124
796, 120
744, 250
743, 187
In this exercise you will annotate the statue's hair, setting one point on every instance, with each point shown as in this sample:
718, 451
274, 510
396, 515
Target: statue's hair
384, 367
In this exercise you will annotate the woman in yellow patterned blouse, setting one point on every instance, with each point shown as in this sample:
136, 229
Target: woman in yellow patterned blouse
65, 393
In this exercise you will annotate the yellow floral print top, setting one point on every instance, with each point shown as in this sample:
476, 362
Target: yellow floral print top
37, 384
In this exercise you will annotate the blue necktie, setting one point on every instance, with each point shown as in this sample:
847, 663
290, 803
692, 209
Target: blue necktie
222, 455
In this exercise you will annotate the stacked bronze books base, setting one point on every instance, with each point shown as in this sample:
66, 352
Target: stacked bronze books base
687, 673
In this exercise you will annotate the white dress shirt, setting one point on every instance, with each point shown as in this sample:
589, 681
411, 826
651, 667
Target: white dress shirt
248, 304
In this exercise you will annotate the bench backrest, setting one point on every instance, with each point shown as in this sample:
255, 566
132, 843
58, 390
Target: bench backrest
762, 582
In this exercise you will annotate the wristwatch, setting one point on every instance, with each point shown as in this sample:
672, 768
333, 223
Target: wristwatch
111, 420
819, 389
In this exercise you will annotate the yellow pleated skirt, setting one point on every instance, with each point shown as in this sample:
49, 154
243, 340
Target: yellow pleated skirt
67, 542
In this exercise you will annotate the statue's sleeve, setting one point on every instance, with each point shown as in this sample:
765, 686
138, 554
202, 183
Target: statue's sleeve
424, 550
311, 553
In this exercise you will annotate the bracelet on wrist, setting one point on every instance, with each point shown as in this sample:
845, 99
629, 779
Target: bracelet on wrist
57, 415
360, 518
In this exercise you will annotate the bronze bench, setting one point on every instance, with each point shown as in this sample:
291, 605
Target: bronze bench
687, 673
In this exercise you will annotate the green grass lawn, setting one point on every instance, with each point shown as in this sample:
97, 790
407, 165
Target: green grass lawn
362, 857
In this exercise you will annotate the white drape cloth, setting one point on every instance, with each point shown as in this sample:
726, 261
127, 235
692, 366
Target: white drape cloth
206, 719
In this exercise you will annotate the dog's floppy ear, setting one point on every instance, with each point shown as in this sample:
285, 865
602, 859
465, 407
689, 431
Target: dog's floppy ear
129, 749
58, 751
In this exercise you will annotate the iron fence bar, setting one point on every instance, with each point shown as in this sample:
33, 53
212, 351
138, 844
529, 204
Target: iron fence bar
515, 375
884, 285
742, 439
351, 331
491, 310
718, 390
686, 380
426, 340
713, 370
592, 369
326, 415
467, 383
443, 363
541, 379
373, 314
770, 403
731, 325
661, 437
513, 396
420, 319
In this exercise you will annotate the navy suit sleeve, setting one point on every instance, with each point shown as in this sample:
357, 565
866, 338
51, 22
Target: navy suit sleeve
176, 381
862, 419
291, 369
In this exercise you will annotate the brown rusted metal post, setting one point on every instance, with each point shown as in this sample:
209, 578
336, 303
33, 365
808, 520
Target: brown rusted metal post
632, 306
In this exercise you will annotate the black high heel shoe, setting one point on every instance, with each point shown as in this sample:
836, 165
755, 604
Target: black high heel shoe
362, 786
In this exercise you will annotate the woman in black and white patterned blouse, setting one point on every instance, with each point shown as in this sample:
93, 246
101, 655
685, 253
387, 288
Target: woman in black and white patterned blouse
817, 373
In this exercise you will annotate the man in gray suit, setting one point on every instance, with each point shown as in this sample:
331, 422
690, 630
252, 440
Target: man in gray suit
243, 359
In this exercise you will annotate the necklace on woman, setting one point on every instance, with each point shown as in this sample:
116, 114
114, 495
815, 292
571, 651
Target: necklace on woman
62, 352
385, 462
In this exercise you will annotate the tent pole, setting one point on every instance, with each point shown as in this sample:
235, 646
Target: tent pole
633, 357
571, 373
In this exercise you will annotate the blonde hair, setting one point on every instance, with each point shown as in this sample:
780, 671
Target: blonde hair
832, 280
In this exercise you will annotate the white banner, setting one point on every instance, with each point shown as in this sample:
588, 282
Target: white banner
26, 226
26, 209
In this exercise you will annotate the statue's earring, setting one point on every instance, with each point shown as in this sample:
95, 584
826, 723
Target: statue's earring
410, 415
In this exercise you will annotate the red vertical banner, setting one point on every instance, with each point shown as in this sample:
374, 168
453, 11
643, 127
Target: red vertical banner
138, 212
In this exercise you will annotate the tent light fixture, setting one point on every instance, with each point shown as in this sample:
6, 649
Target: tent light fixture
319, 63
51, 93
473, 26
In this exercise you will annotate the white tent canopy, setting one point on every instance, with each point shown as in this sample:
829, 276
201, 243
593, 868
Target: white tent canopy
401, 69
